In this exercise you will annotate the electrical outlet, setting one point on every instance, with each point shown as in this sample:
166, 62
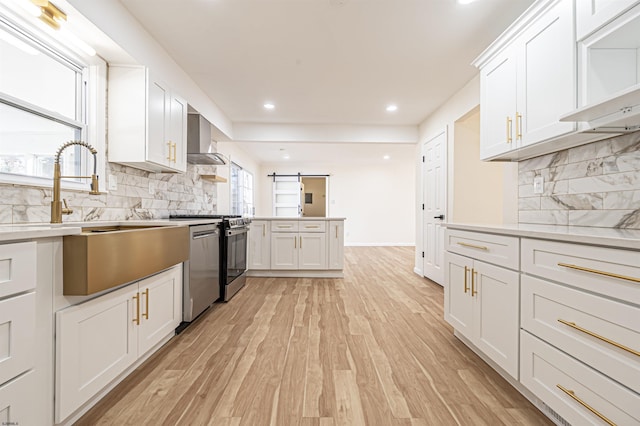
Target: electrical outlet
152, 188
113, 183
538, 185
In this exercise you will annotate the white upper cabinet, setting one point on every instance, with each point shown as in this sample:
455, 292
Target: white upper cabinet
528, 80
147, 121
593, 14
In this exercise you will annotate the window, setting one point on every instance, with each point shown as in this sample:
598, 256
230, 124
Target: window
47, 97
241, 191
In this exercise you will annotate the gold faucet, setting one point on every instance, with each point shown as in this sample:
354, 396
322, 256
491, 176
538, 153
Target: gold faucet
56, 204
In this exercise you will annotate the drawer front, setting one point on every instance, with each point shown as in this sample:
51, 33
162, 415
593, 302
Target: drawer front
610, 272
284, 226
16, 402
17, 268
312, 226
496, 249
17, 335
572, 320
543, 369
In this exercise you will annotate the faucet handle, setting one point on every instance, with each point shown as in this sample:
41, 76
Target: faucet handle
66, 209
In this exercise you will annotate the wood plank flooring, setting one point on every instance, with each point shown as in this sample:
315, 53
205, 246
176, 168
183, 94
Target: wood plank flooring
370, 349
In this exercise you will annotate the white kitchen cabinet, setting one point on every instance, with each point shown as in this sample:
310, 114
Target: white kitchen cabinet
336, 244
147, 121
593, 14
527, 81
291, 249
260, 244
481, 302
98, 340
17, 335
16, 402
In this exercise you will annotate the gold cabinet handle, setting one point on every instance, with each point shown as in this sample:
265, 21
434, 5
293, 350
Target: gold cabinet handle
518, 126
466, 287
169, 157
300, 241
137, 299
573, 395
145, 314
509, 130
295, 242
474, 276
336, 231
473, 246
264, 229
285, 226
597, 336
595, 271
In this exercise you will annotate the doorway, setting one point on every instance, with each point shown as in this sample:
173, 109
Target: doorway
314, 197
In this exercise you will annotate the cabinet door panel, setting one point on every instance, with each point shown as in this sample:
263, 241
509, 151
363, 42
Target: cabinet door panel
16, 408
178, 133
95, 342
498, 100
17, 330
497, 316
592, 14
336, 244
313, 250
157, 144
546, 76
458, 303
17, 273
259, 245
160, 310
284, 250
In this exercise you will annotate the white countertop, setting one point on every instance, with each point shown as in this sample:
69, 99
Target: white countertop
33, 231
614, 237
297, 218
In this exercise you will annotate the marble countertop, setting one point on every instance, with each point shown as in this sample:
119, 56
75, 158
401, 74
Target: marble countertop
33, 231
613, 237
297, 218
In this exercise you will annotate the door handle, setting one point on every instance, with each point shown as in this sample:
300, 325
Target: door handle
441, 217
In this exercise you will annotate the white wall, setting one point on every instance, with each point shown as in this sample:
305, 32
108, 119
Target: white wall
445, 117
377, 199
245, 160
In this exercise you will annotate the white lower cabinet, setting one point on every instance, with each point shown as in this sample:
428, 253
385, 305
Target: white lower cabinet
260, 244
98, 340
16, 404
336, 244
482, 303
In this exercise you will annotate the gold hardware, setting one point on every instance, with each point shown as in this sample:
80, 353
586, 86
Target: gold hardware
518, 127
336, 231
509, 130
466, 287
473, 246
595, 271
56, 204
175, 152
597, 336
137, 299
264, 229
145, 315
169, 157
312, 226
572, 394
285, 226
474, 277
300, 241
295, 242
50, 14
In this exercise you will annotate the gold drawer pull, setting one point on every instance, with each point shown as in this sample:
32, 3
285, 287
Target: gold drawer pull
597, 336
509, 131
473, 246
264, 229
312, 226
474, 277
572, 394
285, 226
466, 287
595, 271
145, 315
137, 299
518, 126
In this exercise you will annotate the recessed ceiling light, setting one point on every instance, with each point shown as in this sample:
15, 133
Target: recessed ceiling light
392, 108
286, 156
386, 157
269, 105
465, 1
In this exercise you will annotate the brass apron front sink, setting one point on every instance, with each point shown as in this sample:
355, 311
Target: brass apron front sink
103, 257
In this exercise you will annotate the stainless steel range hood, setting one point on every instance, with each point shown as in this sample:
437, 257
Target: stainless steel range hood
200, 150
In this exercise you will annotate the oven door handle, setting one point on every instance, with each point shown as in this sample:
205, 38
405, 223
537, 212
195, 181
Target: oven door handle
205, 234
231, 232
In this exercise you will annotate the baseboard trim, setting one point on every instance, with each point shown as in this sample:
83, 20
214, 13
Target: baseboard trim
379, 244
295, 274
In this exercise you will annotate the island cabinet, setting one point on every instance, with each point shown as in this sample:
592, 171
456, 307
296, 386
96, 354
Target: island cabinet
147, 121
98, 340
482, 294
528, 81
296, 247
17, 332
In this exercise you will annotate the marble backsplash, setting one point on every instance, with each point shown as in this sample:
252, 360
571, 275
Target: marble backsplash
180, 193
597, 184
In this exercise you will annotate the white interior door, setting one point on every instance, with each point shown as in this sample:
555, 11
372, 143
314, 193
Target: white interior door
434, 185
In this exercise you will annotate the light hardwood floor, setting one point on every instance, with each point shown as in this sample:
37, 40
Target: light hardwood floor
370, 349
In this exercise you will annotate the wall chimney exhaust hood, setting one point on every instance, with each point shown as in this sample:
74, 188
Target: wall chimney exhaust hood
200, 150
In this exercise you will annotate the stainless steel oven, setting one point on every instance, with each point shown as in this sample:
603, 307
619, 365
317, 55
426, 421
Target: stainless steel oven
233, 273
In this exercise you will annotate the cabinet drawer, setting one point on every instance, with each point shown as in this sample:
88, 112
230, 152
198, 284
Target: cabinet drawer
610, 272
497, 249
17, 335
544, 369
17, 268
284, 226
312, 226
16, 402
545, 305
